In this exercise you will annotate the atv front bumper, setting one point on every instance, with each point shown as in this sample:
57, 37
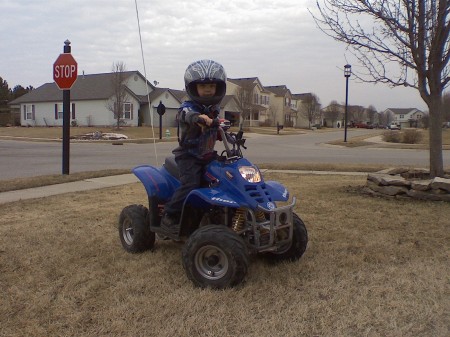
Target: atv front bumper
271, 229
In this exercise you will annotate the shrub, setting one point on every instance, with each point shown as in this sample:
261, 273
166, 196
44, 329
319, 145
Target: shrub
391, 137
412, 136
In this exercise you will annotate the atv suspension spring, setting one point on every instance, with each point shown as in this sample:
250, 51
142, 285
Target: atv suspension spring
238, 221
260, 216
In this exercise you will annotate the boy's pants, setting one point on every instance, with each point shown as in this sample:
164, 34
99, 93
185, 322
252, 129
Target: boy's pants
191, 171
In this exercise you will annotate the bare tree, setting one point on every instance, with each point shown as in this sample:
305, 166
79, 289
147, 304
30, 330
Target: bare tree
244, 97
398, 34
120, 94
357, 113
273, 112
311, 108
371, 113
333, 111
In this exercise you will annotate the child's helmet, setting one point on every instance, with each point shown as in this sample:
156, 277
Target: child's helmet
205, 71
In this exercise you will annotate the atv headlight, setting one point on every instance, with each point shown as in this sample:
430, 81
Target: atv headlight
250, 173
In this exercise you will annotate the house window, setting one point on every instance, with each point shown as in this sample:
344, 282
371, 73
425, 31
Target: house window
28, 111
402, 116
60, 111
127, 110
255, 98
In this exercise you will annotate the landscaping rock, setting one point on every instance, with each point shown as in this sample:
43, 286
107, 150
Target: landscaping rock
441, 183
404, 183
421, 185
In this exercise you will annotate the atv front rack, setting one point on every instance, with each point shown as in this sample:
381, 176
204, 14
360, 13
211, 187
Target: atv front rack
270, 229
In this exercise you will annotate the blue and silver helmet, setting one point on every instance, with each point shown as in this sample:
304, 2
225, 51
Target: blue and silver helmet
205, 71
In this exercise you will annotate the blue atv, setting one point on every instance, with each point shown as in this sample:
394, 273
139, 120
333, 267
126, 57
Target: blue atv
234, 214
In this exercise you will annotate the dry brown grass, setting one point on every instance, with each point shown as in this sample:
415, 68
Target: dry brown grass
373, 267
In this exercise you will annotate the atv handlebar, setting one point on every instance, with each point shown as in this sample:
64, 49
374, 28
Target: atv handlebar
235, 140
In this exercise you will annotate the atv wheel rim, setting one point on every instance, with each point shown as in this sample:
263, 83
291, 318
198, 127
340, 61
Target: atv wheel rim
128, 232
211, 262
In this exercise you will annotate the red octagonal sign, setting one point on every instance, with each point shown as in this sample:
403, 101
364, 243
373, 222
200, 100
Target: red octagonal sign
65, 71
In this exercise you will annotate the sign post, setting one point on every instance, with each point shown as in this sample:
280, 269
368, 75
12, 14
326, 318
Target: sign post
65, 72
161, 110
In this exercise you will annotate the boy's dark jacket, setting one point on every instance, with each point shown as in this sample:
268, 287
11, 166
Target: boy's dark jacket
194, 137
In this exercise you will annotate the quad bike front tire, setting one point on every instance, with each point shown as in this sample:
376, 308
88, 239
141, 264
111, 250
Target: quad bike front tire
296, 248
134, 230
215, 257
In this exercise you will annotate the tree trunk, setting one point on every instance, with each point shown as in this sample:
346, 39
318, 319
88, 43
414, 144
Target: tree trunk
435, 133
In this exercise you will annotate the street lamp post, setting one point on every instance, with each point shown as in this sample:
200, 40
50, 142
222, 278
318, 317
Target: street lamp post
347, 73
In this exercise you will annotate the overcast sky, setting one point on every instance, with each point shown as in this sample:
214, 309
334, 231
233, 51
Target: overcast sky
274, 40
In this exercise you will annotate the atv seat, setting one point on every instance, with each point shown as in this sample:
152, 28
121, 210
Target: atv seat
171, 166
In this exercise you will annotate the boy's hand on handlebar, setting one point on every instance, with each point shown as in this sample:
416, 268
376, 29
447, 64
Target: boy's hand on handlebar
204, 119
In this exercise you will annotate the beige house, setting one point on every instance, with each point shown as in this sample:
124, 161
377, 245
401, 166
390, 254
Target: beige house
252, 98
281, 105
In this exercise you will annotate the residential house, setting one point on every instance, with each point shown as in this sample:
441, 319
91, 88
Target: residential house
334, 116
252, 99
406, 118
91, 98
303, 103
280, 104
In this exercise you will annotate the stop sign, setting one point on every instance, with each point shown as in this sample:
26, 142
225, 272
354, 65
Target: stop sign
65, 71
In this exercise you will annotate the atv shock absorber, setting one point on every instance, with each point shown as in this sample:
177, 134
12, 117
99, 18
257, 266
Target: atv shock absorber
238, 221
260, 216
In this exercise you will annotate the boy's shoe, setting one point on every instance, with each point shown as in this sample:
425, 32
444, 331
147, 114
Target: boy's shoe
170, 226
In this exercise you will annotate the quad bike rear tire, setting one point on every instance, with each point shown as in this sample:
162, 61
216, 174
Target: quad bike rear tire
296, 248
215, 257
134, 230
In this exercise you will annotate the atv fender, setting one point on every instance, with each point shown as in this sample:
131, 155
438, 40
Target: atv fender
277, 191
205, 197
157, 182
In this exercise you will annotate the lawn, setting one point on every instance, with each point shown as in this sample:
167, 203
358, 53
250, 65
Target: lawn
373, 267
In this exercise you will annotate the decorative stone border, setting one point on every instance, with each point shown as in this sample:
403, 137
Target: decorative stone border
408, 183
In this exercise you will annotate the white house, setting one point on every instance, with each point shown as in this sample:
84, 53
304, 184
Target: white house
90, 97
409, 117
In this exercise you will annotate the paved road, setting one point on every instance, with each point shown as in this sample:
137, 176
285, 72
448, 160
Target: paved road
26, 159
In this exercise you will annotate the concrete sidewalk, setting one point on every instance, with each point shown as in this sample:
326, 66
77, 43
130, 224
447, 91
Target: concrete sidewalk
76, 186
117, 180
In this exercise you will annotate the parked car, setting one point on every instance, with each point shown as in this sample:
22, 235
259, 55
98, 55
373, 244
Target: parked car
394, 126
225, 123
360, 125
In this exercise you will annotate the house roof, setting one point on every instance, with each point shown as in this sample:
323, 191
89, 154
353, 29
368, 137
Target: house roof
278, 90
87, 87
402, 111
179, 94
244, 82
157, 92
248, 82
302, 96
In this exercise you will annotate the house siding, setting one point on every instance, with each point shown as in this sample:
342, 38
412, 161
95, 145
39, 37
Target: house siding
87, 113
